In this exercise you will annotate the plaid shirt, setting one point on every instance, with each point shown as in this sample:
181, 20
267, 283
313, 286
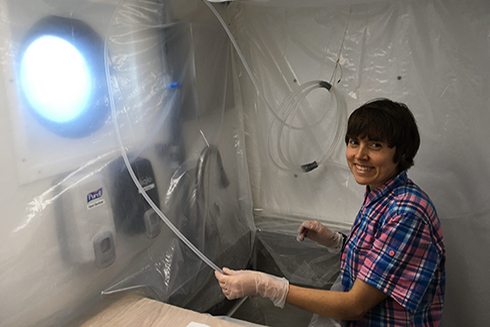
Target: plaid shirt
396, 245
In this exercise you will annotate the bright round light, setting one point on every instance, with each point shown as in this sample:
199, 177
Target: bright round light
55, 79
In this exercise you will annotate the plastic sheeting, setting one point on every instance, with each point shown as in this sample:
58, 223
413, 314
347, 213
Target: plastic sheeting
431, 55
74, 225
386, 50
308, 263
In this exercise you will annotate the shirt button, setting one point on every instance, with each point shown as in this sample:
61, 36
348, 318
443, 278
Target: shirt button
392, 253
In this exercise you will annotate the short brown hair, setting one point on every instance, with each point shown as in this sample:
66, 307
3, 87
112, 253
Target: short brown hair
390, 122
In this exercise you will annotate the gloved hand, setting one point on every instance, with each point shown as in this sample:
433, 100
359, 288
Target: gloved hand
320, 234
240, 283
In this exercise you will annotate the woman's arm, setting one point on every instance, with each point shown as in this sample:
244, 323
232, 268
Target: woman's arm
352, 305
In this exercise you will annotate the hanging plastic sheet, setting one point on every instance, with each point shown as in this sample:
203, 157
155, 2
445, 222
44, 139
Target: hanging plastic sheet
75, 225
431, 55
384, 49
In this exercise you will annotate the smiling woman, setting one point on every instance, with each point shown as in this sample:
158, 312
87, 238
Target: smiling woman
383, 124
393, 260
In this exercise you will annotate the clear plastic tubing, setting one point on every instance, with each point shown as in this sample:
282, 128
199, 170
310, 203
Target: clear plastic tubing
174, 229
242, 58
290, 106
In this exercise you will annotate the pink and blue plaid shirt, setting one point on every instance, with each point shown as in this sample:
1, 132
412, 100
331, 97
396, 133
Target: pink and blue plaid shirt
396, 245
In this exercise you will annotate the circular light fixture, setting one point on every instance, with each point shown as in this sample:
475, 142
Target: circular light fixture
55, 79
62, 76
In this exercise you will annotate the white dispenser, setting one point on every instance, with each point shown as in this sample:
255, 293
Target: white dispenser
85, 221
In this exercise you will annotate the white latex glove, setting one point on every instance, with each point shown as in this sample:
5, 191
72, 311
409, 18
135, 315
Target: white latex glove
320, 234
240, 283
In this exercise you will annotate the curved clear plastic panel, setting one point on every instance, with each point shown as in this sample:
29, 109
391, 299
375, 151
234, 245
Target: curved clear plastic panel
74, 225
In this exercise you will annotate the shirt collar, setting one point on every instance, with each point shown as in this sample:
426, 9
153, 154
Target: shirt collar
386, 188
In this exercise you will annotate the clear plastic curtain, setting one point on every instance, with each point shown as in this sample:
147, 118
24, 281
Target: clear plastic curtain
75, 226
431, 55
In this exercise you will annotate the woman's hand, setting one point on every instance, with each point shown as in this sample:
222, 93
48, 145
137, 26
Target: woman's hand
319, 233
236, 284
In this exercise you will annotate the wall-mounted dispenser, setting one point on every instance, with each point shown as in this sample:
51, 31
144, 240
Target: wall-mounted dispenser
93, 208
132, 215
85, 220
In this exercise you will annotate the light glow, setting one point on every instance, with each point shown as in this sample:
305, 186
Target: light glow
55, 79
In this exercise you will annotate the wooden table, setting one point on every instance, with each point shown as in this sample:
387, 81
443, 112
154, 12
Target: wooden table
135, 311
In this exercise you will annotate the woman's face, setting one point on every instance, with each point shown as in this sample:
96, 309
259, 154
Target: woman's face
371, 162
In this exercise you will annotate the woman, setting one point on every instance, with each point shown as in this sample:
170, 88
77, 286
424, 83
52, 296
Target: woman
393, 260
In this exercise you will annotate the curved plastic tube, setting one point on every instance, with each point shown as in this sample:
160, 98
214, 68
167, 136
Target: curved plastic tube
130, 169
290, 107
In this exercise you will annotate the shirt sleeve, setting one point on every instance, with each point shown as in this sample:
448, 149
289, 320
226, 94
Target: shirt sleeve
402, 260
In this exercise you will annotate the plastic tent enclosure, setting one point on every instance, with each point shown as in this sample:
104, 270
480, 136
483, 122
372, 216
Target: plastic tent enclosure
213, 133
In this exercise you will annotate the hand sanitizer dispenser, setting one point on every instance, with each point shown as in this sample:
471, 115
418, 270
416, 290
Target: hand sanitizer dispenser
85, 221
132, 215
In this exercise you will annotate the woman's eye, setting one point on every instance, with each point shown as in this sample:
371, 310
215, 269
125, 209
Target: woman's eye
376, 145
353, 142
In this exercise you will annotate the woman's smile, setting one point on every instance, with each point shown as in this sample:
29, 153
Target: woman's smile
362, 168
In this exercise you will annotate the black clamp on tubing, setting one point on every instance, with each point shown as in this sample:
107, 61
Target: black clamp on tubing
325, 85
309, 167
